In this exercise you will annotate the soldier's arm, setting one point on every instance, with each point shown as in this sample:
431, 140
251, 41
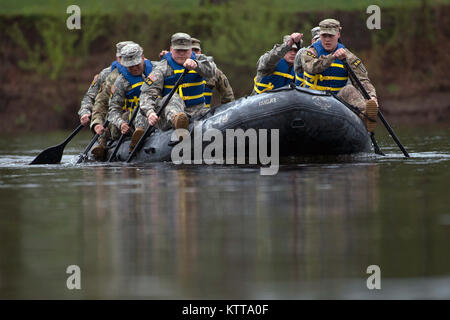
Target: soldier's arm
87, 103
223, 86
117, 101
298, 68
205, 66
269, 60
151, 90
360, 71
101, 105
88, 99
313, 64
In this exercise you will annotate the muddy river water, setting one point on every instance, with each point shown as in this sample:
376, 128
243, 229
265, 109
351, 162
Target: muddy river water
165, 231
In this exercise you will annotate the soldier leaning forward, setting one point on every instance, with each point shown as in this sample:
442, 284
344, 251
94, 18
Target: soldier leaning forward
275, 67
87, 103
126, 91
324, 70
101, 105
189, 97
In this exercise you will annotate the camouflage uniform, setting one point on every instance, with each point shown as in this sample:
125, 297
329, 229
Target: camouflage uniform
101, 106
152, 89
313, 64
87, 102
222, 85
268, 62
115, 111
298, 68
218, 82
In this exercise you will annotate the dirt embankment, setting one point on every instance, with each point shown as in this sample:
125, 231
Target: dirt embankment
407, 61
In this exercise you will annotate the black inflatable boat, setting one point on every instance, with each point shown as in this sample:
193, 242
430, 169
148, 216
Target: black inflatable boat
309, 122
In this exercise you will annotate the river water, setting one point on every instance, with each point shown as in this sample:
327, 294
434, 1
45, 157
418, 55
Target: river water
162, 231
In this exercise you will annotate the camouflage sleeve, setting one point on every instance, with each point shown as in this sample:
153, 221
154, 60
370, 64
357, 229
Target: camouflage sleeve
206, 66
87, 102
298, 68
117, 101
153, 88
269, 60
360, 71
313, 64
223, 86
101, 104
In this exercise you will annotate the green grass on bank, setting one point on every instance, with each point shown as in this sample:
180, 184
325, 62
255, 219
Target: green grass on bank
43, 7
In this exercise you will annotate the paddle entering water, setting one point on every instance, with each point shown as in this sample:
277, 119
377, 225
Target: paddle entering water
149, 129
380, 115
83, 156
54, 154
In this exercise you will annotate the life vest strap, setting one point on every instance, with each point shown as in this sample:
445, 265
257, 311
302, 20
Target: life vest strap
282, 74
267, 87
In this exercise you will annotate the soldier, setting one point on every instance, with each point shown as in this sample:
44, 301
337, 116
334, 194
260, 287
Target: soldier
189, 97
275, 68
101, 105
324, 70
219, 82
298, 69
87, 102
127, 89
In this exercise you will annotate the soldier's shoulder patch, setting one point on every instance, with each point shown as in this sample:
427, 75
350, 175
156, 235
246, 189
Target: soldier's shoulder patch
94, 80
356, 63
150, 79
311, 54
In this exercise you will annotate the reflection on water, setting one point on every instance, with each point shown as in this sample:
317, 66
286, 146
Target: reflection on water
164, 231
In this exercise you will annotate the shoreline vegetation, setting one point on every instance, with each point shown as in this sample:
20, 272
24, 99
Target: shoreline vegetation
46, 69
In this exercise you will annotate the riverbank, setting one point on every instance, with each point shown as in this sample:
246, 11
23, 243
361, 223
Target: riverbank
45, 69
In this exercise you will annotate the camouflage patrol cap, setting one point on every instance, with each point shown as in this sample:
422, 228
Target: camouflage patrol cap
196, 44
131, 55
315, 33
181, 41
329, 26
120, 45
286, 39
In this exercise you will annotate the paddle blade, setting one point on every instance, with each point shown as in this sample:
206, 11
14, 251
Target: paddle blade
50, 155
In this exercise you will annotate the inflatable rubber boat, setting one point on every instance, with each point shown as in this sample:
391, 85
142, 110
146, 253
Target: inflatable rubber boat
309, 122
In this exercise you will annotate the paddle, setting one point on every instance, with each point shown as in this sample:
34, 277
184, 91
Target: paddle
83, 156
147, 131
54, 154
380, 115
122, 136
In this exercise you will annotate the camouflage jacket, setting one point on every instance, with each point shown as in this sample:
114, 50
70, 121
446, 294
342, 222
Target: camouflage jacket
149, 93
298, 68
222, 85
101, 104
268, 61
314, 65
117, 101
87, 103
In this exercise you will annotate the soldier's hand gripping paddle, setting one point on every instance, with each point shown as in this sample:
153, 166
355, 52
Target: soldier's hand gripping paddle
53, 155
122, 136
380, 115
147, 131
83, 156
